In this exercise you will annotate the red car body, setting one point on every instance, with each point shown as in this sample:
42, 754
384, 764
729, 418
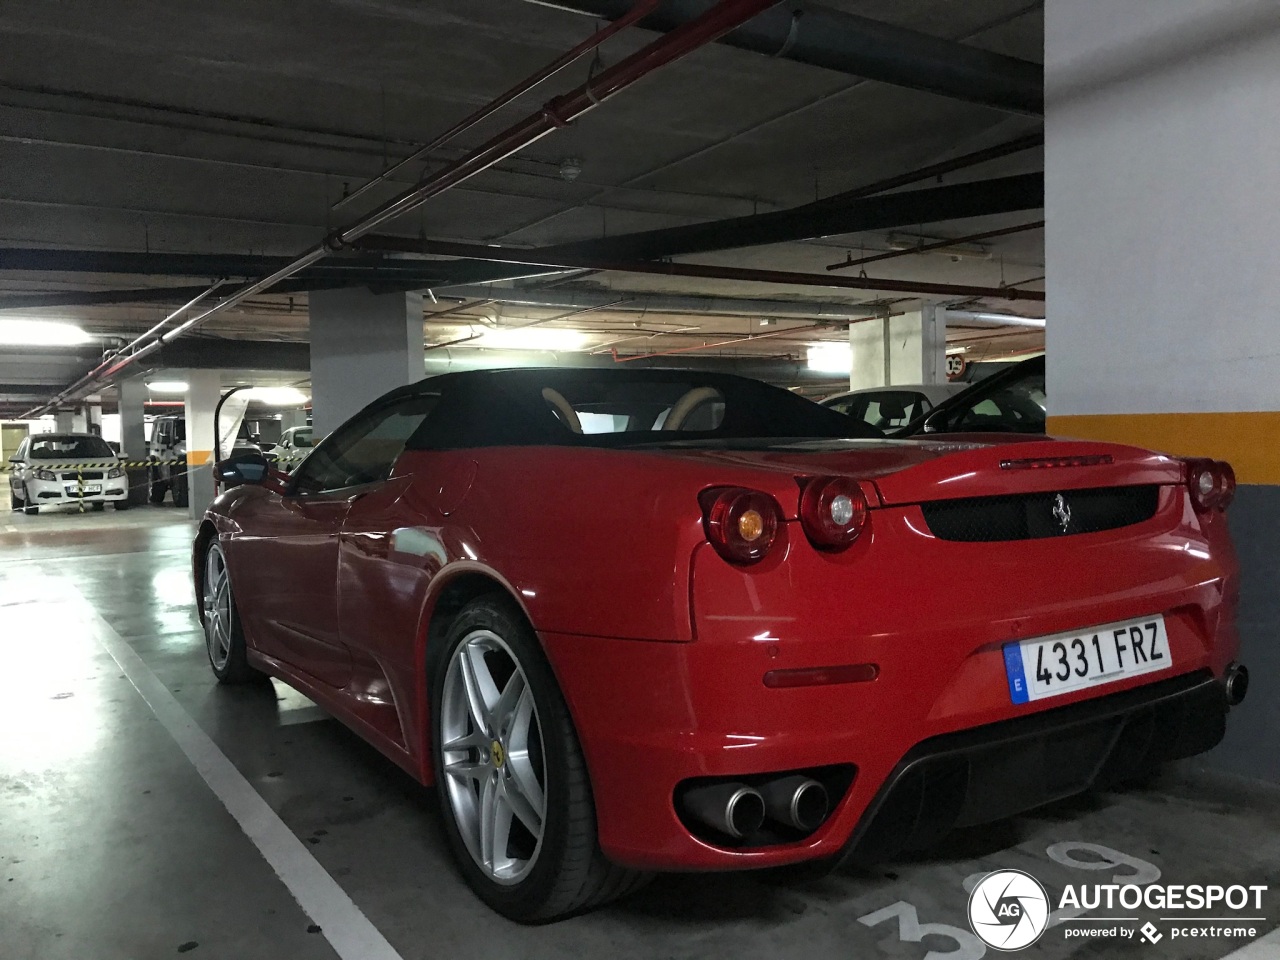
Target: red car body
661, 646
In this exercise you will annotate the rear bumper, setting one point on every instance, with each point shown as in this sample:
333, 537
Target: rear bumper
652, 716
995, 771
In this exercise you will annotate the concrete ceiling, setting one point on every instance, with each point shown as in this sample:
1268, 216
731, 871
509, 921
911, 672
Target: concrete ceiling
233, 127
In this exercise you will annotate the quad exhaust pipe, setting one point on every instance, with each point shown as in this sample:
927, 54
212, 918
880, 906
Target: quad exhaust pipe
796, 801
731, 808
738, 810
1236, 684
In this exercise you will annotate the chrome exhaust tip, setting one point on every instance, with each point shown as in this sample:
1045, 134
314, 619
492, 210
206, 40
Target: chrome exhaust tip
797, 801
1236, 684
729, 808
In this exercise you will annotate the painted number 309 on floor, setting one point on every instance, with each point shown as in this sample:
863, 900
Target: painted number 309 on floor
1130, 870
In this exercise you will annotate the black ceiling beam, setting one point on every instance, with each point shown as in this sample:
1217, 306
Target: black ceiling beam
815, 35
849, 212
842, 213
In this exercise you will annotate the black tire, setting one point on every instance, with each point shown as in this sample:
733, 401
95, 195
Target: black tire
99, 506
235, 669
180, 493
29, 506
15, 501
569, 874
122, 504
158, 489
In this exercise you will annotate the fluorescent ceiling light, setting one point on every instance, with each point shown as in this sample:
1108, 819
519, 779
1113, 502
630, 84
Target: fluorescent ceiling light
276, 396
830, 358
41, 333
532, 338
167, 386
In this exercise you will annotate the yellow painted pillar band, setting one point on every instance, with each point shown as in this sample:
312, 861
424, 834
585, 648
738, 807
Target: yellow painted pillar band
1250, 442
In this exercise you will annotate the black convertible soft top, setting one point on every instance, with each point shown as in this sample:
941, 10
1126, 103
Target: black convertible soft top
607, 407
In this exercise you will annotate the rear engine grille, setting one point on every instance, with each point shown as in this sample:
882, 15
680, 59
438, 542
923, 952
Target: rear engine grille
1031, 516
86, 475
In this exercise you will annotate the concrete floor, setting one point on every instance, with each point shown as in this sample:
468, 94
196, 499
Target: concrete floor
113, 845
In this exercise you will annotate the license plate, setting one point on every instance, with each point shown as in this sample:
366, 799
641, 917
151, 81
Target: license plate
1051, 666
73, 490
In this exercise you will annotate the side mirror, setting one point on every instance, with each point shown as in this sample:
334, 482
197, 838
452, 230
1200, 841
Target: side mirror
14, 459
242, 468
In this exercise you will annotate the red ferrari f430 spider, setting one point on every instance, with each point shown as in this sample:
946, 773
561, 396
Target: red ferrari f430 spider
637, 621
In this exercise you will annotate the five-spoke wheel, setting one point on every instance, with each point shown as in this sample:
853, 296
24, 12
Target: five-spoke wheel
512, 781
223, 634
492, 757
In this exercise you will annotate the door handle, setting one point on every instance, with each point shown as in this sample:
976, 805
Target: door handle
356, 496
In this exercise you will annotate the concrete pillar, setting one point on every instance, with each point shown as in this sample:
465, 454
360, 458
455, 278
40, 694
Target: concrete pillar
292, 418
362, 345
65, 420
93, 414
204, 389
908, 348
131, 395
1160, 199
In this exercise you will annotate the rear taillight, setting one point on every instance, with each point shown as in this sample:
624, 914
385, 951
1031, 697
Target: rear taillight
833, 512
741, 524
1212, 484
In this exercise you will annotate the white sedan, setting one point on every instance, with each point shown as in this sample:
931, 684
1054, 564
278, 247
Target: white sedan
54, 468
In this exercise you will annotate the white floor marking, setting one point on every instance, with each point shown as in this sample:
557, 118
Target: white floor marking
341, 922
1268, 948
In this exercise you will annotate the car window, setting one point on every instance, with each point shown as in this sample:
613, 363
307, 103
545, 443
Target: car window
685, 407
364, 449
54, 447
1017, 406
303, 438
886, 410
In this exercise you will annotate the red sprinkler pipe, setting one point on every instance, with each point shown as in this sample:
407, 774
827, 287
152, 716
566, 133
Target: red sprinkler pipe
559, 112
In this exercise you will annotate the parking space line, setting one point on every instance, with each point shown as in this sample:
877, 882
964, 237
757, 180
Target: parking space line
341, 922
1267, 948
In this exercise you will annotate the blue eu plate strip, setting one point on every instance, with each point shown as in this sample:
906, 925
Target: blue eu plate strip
1013, 667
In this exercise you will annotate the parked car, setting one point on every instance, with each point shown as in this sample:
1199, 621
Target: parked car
168, 455
59, 468
891, 408
639, 620
1011, 401
295, 444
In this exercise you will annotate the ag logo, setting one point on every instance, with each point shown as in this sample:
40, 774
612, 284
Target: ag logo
1008, 910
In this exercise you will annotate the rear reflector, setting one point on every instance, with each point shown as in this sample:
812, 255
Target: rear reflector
1047, 463
822, 676
1212, 484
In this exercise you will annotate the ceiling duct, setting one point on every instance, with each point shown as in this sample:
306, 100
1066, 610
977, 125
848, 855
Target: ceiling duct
821, 37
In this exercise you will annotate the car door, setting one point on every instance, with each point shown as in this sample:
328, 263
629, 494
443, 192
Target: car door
289, 553
17, 463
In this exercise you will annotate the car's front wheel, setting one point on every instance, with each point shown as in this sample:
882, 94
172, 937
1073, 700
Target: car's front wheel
513, 785
15, 501
29, 506
223, 633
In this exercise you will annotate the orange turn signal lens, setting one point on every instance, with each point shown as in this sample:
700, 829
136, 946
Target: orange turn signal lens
750, 525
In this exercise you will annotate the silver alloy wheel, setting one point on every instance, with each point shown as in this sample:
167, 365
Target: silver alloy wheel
491, 753
217, 608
